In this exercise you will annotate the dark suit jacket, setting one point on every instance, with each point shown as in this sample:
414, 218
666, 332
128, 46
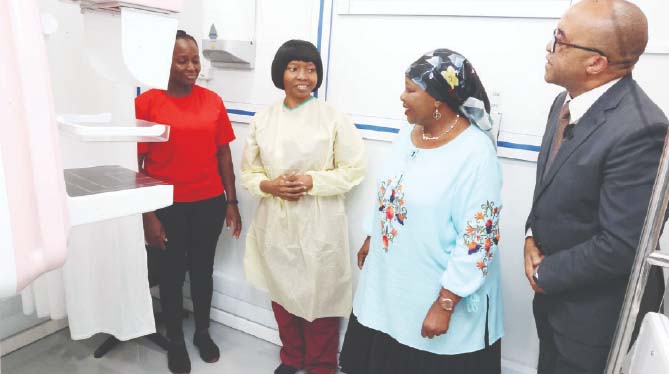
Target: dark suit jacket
589, 208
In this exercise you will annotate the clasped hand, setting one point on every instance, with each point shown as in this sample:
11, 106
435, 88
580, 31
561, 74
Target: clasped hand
288, 187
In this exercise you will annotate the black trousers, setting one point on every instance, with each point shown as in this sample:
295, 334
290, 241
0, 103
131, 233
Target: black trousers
192, 231
558, 354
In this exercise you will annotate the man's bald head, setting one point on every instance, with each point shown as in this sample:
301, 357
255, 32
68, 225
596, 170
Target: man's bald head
617, 27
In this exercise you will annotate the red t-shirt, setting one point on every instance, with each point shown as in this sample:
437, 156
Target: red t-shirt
198, 123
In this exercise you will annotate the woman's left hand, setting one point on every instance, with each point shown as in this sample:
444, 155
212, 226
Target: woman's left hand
436, 321
233, 220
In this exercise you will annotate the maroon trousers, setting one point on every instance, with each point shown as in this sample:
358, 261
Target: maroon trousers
308, 345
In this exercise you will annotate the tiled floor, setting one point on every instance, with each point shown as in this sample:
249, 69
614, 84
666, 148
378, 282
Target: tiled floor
58, 354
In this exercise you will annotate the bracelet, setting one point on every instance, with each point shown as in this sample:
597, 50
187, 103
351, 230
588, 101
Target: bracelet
233, 202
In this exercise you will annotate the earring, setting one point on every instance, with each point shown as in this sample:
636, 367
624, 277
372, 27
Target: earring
436, 115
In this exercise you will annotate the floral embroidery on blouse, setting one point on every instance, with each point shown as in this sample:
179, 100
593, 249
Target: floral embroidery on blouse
483, 233
392, 209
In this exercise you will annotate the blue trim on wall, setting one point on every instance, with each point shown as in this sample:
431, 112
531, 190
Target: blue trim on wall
320, 31
241, 112
363, 126
392, 130
524, 147
320, 25
327, 71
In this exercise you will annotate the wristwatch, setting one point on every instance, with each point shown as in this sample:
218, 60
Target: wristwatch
446, 303
535, 276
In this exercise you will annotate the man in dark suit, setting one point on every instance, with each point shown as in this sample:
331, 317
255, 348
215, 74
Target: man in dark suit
595, 173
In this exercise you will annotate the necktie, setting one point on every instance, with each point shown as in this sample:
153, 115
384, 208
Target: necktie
565, 116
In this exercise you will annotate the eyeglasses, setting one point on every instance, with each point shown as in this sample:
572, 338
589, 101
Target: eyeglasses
556, 42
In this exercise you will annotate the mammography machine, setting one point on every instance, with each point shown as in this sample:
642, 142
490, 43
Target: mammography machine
39, 200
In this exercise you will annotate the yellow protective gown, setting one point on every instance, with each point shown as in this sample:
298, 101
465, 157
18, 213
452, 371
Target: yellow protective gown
298, 251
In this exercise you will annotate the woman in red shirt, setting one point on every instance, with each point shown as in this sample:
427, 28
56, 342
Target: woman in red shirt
197, 161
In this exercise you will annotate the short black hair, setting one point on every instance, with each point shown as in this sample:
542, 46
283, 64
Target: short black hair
295, 50
184, 35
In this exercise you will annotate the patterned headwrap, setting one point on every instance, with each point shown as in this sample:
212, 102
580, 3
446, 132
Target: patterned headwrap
450, 78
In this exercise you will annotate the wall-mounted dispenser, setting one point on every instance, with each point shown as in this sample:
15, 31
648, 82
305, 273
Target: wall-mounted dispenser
229, 54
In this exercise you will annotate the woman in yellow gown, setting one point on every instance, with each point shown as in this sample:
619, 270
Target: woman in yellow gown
300, 158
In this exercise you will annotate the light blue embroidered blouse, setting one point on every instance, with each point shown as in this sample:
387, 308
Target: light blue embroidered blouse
434, 224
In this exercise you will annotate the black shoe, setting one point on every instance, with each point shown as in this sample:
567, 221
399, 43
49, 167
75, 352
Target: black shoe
208, 349
285, 369
177, 358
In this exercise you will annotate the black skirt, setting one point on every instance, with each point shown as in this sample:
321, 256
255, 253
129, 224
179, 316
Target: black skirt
367, 351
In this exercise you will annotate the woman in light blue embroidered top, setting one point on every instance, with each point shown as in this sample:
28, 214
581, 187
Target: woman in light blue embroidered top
429, 298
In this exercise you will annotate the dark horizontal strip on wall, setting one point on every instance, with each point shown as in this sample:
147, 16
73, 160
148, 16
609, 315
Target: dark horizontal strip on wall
524, 147
392, 130
241, 112
362, 126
